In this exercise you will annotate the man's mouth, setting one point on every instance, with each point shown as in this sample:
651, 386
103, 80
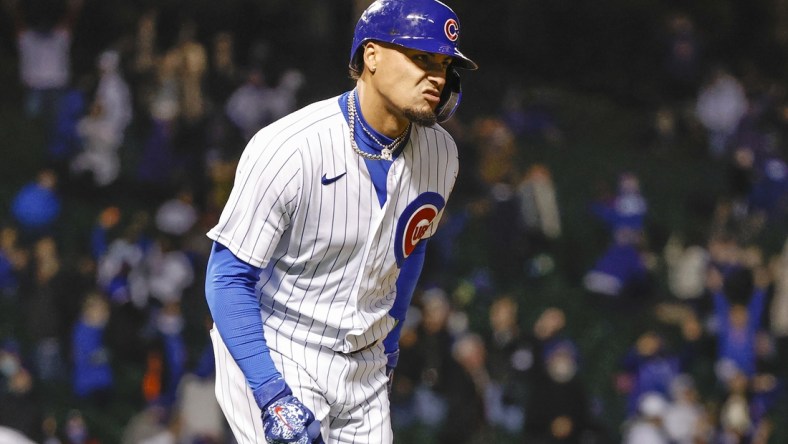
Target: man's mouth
433, 96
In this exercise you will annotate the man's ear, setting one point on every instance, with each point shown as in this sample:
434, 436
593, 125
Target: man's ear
370, 56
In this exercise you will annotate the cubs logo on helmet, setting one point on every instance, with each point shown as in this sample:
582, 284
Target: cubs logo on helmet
452, 29
415, 222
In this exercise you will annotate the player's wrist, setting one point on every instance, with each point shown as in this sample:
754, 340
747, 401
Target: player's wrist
271, 391
392, 358
391, 363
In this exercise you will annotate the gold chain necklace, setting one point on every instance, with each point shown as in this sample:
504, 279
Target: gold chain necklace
386, 150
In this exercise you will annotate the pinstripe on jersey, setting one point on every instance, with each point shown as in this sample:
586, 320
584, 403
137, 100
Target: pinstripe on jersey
327, 251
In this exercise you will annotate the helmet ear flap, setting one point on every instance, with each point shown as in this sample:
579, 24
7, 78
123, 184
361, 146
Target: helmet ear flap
450, 96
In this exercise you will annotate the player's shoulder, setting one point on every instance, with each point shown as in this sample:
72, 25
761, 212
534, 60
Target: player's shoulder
438, 130
435, 135
434, 145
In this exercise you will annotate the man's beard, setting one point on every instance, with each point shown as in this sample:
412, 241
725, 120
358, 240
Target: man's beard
424, 118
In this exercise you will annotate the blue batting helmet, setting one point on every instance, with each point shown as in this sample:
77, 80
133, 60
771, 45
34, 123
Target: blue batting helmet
423, 25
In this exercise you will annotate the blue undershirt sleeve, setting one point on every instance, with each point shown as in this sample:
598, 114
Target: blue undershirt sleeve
406, 285
230, 292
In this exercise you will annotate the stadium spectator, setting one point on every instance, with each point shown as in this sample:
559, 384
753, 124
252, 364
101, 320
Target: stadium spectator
531, 117
430, 361
66, 142
622, 272
541, 214
103, 129
549, 329
539, 205
150, 425
769, 195
190, 142
647, 427
737, 314
720, 105
92, 373
20, 406
684, 418
120, 270
251, 105
158, 161
196, 410
510, 360
13, 261
76, 429
167, 355
192, 67
285, 97
496, 177
108, 218
682, 60
43, 306
778, 312
37, 205
628, 208
166, 272
223, 72
687, 262
44, 36
736, 423
649, 368
558, 404
177, 215
466, 385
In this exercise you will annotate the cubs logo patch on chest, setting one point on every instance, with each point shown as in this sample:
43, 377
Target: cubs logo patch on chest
414, 223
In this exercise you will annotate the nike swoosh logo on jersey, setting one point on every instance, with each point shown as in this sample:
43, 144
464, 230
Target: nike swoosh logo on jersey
329, 180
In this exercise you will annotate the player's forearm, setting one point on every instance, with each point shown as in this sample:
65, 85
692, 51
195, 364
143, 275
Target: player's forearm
406, 286
229, 290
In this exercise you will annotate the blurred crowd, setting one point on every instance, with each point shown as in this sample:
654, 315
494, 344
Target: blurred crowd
106, 321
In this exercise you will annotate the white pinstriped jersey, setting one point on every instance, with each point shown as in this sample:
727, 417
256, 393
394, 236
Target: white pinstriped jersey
330, 252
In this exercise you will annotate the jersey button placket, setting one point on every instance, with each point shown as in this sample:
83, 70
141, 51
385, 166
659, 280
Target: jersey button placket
394, 173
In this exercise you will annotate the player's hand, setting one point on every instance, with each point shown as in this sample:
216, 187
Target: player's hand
286, 420
393, 357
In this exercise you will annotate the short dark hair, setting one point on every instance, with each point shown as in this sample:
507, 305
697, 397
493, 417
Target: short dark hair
355, 75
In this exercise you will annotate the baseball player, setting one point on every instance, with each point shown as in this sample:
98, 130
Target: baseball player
318, 249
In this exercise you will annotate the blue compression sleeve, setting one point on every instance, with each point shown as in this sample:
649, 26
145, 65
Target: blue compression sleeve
406, 285
230, 292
